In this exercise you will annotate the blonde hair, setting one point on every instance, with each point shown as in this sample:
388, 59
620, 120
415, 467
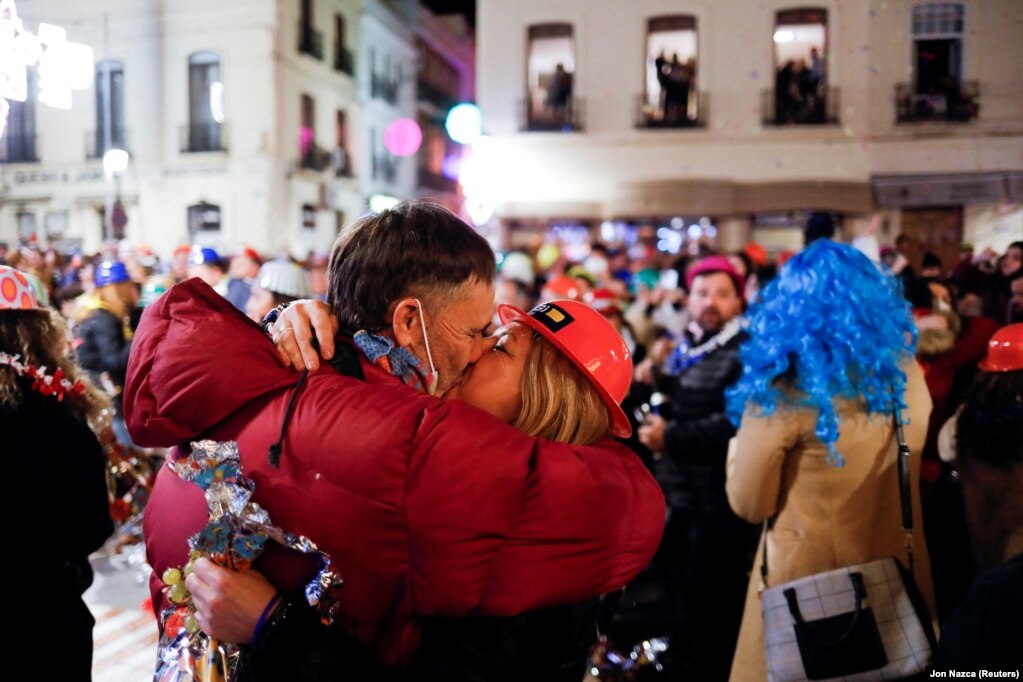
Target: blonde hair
40, 338
558, 402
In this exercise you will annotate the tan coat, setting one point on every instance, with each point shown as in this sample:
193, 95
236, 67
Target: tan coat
826, 517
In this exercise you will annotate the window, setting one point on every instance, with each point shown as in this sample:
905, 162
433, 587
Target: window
438, 80
110, 132
203, 217
938, 90
307, 133
308, 217
550, 75
310, 41
205, 103
437, 158
382, 84
18, 141
671, 97
339, 159
28, 227
801, 93
343, 60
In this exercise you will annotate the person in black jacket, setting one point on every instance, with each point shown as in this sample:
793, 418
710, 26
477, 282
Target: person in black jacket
986, 630
706, 550
104, 335
57, 493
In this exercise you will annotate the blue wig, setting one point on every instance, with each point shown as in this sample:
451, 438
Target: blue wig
830, 325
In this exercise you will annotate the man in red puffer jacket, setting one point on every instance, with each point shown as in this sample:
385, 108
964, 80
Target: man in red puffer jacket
428, 508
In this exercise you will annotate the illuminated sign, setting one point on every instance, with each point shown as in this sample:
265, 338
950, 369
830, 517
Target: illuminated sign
62, 66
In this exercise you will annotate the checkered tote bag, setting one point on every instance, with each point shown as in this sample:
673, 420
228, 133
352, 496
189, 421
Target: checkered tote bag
863, 622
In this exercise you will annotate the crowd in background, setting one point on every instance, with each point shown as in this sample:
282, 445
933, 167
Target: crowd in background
648, 296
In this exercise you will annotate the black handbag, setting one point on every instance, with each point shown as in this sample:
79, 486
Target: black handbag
867, 620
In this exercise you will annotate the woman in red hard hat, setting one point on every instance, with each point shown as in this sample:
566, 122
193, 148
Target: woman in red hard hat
560, 372
985, 631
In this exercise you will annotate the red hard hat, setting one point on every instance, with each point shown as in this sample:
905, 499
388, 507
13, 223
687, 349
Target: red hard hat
562, 286
604, 301
590, 342
1004, 350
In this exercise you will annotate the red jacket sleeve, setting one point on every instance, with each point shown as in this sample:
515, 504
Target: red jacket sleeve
540, 523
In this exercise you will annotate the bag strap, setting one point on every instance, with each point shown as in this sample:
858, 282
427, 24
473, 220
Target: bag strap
905, 498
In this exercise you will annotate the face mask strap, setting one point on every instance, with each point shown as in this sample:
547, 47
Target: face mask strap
426, 342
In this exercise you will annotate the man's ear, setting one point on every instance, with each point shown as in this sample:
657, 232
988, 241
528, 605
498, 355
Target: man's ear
405, 322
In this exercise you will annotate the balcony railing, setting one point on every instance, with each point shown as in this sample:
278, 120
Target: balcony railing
344, 60
314, 159
18, 148
384, 88
428, 92
203, 137
543, 117
96, 146
385, 168
310, 41
341, 162
436, 181
954, 104
814, 108
695, 114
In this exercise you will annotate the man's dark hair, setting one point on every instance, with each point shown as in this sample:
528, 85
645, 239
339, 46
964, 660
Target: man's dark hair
931, 260
818, 226
413, 249
990, 427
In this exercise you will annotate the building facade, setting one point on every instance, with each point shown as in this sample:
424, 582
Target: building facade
748, 115
247, 122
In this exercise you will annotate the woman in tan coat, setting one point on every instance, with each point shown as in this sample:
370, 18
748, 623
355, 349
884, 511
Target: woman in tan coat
830, 356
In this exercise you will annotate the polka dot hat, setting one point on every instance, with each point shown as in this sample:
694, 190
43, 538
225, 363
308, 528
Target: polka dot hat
15, 290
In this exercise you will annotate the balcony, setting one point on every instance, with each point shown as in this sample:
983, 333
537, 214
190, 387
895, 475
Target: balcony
385, 167
436, 181
96, 146
696, 115
341, 163
428, 92
819, 107
384, 88
955, 104
18, 148
543, 117
203, 137
310, 41
344, 60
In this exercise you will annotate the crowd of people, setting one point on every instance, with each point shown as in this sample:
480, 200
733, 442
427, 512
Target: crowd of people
800, 91
583, 491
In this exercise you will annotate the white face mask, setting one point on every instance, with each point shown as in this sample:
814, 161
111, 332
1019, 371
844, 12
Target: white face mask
431, 380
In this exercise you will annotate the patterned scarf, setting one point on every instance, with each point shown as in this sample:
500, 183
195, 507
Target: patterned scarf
395, 360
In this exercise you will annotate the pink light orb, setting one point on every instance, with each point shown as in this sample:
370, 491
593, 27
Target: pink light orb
403, 137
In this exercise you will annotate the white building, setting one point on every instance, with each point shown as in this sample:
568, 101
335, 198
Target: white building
914, 109
248, 122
